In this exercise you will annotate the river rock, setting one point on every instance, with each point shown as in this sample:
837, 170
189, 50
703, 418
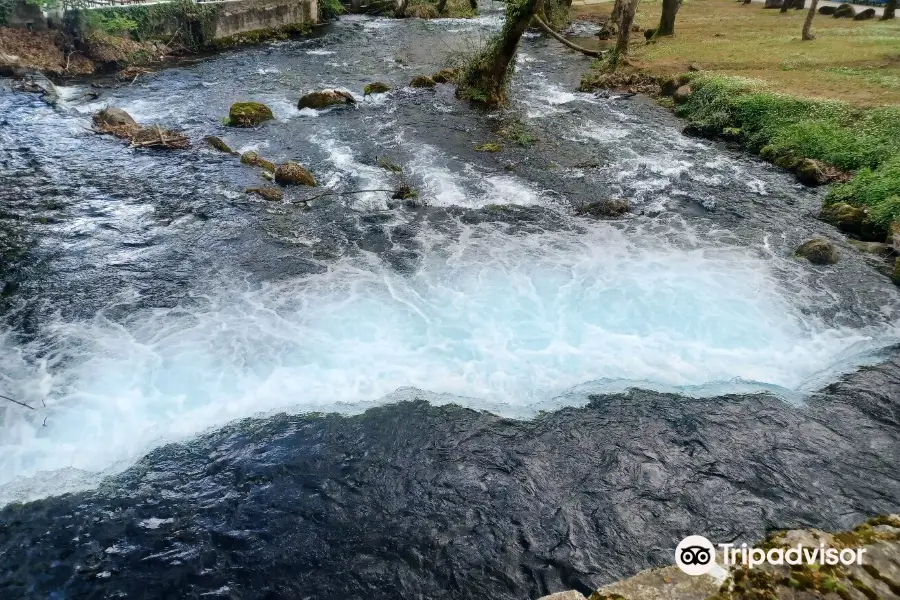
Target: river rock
811, 172
249, 114
272, 194
376, 87
116, 122
818, 251
682, 94
570, 595
291, 173
445, 76
667, 583
325, 98
422, 81
844, 11
827, 10
865, 15
219, 144
255, 160
605, 209
877, 248
847, 218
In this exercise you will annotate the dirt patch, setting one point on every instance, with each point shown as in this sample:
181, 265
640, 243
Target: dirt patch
46, 51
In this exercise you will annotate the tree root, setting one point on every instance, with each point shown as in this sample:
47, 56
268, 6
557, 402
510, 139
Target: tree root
547, 29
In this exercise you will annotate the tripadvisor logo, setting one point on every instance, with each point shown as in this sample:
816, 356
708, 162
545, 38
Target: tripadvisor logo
696, 555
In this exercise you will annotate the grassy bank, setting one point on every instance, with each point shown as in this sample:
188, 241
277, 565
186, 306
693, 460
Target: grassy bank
854, 61
831, 105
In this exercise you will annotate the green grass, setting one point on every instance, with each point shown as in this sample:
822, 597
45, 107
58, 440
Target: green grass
864, 141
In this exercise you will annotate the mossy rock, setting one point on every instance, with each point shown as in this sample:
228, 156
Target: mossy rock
325, 98
811, 172
847, 218
255, 160
249, 114
445, 76
376, 87
682, 94
291, 173
605, 209
219, 144
273, 194
895, 276
489, 147
115, 121
818, 251
422, 81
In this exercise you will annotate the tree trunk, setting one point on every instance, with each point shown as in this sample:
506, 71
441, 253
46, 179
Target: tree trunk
616, 15
473, 4
889, 10
627, 19
667, 19
442, 4
549, 31
807, 24
485, 79
400, 11
786, 5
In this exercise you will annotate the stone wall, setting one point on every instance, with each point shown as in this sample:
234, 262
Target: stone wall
246, 16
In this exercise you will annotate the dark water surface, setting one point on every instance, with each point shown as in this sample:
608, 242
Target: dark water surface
150, 300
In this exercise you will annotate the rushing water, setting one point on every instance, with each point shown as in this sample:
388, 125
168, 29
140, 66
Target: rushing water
158, 300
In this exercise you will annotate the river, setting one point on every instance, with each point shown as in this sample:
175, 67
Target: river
156, 302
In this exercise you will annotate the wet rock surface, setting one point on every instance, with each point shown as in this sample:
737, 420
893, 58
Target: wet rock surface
414, 500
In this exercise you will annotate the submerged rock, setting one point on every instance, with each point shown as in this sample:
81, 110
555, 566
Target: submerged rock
605, 209
249, 114
818, 251
255, 160
291, 173
376, 87
219, 144
325, 98
422, 81
273, 194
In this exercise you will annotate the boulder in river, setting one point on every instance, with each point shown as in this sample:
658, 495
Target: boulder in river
249, 114
270, 193
116, 122
422, 81
325, 98
865, 15
255, 160
376, 87
844, 11
291, 173
605, 209
818, 251
682, 94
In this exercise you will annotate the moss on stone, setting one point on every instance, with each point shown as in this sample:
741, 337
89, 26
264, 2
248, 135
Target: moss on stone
489, 147
218, 144
376, 87
249, 114
273, 194
255, 160
422, 81
291, 173
445, 76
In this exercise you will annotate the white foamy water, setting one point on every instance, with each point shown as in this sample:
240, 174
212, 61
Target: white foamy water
493, 319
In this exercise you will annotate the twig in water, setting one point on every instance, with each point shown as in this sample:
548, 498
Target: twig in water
16, 401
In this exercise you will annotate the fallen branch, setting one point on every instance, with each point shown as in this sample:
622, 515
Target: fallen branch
16, 401
547, 29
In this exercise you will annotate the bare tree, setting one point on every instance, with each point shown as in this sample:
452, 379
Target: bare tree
889, 10
484, 79
807, 24
667, 19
